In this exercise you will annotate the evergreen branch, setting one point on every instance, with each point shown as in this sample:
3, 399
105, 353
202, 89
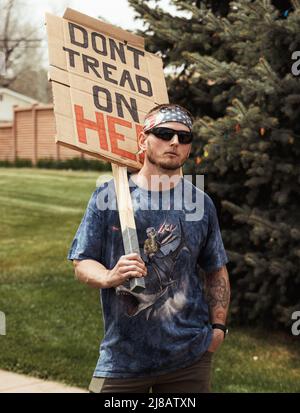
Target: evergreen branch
234, 256
295, 4
253, 219
197, 13
227, 26
211, 68
242, 109
265, 69
202, 122
216, 24
267, 4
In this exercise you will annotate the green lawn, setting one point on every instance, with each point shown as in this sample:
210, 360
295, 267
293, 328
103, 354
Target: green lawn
54, 324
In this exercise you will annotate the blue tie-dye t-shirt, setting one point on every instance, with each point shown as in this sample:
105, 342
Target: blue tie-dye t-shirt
167, 326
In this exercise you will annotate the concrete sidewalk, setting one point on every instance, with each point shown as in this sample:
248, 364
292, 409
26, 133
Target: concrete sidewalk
19, 383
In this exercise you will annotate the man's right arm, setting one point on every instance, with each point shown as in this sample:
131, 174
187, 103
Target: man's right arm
96, 275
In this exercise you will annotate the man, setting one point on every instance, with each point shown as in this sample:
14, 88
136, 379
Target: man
164, 337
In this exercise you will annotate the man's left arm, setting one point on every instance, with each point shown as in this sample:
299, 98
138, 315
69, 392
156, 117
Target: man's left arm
217, 289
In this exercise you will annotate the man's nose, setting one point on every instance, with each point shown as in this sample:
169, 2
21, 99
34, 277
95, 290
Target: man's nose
174, 140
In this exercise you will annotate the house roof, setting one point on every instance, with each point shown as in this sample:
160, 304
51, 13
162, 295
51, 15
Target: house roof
24, 98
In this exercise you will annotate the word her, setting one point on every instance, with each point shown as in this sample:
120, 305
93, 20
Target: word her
99, 125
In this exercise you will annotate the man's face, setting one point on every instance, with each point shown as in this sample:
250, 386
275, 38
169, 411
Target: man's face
168, 155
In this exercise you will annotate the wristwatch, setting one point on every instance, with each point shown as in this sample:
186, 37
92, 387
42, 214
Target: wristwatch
221, 327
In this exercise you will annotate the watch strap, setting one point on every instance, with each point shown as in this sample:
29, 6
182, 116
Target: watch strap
220, 327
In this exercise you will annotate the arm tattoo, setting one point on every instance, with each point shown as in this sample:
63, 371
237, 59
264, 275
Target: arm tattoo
218, 294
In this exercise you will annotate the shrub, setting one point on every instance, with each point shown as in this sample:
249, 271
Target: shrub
50, 163
18, 163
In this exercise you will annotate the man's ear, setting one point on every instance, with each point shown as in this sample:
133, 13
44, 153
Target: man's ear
189, 151
142, 141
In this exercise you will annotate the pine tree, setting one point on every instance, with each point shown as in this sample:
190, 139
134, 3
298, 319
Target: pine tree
232, 69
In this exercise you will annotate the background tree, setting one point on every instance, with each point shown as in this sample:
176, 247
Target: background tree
20, 43
231, 66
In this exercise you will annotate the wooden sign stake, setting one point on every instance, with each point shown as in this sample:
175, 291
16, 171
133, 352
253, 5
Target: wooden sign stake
126, 215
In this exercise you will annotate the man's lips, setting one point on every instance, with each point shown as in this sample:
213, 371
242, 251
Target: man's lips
171, 153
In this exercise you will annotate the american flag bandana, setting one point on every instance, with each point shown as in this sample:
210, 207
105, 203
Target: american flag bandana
172, 114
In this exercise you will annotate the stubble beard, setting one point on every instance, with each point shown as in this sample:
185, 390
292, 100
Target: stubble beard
167, 165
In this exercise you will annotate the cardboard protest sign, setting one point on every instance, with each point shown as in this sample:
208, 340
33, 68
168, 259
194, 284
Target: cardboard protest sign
104, 82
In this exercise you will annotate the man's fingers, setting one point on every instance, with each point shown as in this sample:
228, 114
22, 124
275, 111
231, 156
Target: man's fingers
131, 274
130, 263
133, 256
132, 267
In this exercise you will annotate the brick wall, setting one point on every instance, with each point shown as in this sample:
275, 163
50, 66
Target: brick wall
31, 135
6, 142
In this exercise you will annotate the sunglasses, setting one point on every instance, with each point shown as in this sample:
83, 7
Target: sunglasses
166, 134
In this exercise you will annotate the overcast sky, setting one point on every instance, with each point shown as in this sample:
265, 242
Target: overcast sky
116, 12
